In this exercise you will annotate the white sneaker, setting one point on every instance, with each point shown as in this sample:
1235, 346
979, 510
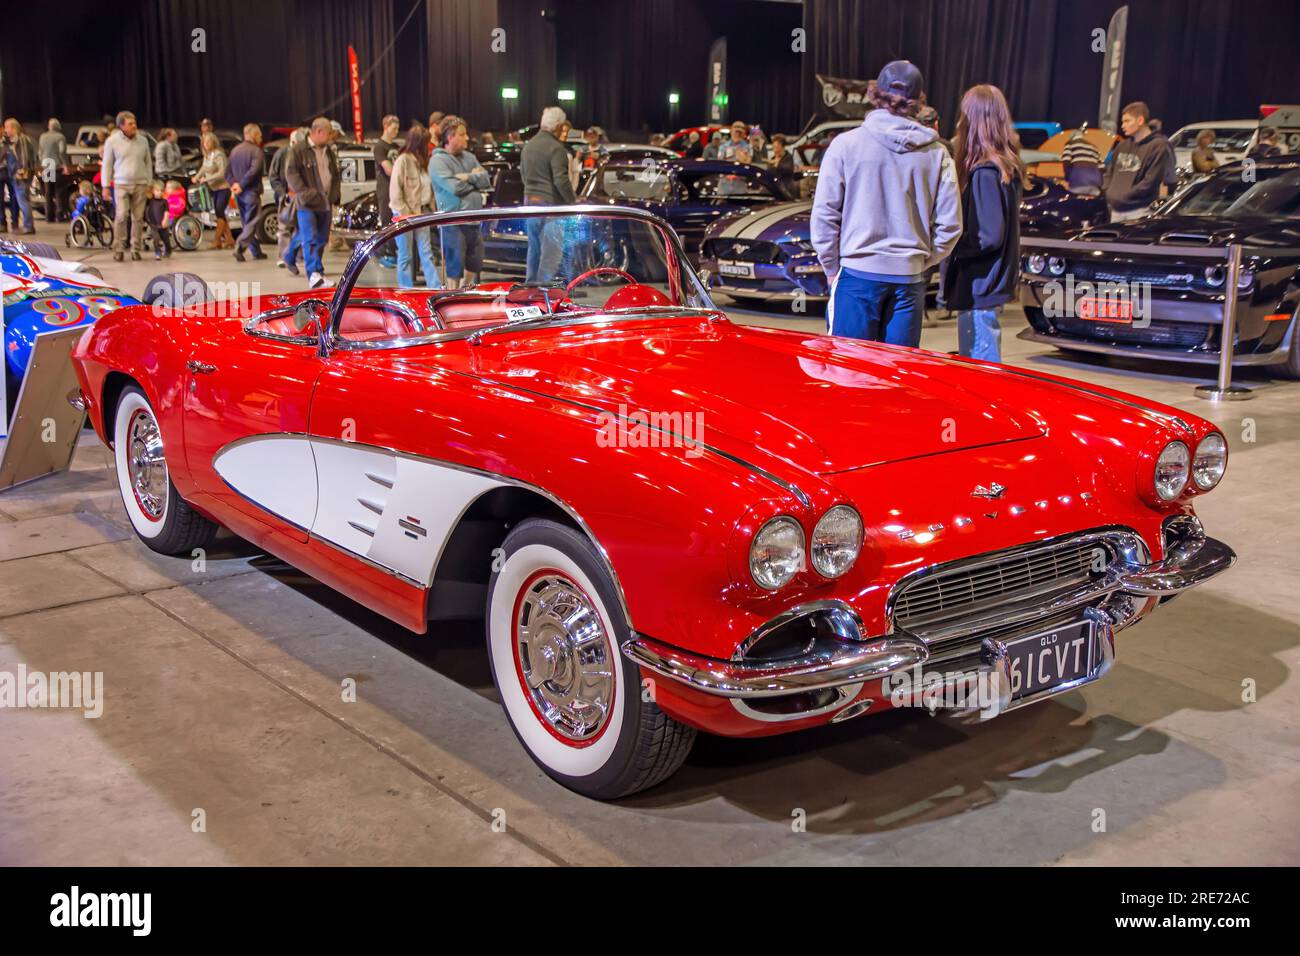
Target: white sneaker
280, 264
317, 281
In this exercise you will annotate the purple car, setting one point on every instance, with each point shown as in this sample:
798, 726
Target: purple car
766, 254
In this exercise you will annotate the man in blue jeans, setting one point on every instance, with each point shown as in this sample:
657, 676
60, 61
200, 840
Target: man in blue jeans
312, 171
886, 211
247, 164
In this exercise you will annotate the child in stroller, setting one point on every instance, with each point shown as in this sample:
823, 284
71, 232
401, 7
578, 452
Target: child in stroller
92, 219
171, 224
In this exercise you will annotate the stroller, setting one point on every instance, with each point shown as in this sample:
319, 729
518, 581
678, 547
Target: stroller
92, 223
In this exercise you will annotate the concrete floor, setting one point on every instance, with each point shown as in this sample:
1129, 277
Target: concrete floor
223, 694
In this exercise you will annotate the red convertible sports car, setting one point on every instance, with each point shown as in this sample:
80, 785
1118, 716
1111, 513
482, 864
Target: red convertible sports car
669, 523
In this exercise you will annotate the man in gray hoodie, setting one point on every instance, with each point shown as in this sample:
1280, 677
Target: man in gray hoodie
126, 174
886, 211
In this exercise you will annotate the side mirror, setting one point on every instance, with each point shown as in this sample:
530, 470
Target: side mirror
314, 314
309, 312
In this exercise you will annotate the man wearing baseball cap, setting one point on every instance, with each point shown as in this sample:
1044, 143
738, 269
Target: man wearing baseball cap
886, 210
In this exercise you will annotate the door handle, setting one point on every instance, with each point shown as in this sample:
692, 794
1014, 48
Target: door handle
200, 368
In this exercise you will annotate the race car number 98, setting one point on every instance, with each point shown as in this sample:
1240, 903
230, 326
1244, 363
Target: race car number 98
58, 311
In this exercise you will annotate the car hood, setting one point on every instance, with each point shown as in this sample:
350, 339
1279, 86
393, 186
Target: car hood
826, 405
1175, 230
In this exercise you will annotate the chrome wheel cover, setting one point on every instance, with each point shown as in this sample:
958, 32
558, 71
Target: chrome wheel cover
145, 464
564, 657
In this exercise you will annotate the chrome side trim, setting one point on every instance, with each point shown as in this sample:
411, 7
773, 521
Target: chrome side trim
1188, 562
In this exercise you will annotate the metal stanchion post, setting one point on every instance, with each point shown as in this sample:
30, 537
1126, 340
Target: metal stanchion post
1225, 391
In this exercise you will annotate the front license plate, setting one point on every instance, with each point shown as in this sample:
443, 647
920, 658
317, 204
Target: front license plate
1117, 309
742, 270
1050, 658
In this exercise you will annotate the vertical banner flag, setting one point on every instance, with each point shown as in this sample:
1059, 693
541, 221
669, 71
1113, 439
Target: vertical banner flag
718, 81
1112, 72
354, 81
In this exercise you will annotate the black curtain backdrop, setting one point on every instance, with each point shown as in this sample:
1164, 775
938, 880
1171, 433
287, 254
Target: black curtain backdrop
1188, 59
283, 61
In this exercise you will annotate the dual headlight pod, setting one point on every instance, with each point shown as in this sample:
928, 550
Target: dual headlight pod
1176, 466
779, 550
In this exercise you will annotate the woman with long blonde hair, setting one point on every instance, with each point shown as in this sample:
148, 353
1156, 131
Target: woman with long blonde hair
983, 273
212, 173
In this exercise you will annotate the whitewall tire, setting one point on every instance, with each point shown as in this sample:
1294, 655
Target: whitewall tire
554, 630
162, 519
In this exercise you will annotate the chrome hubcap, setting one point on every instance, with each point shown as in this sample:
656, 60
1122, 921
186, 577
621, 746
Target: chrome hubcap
145, 464
564, 657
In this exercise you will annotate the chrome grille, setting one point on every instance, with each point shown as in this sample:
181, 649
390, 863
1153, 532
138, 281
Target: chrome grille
980, 589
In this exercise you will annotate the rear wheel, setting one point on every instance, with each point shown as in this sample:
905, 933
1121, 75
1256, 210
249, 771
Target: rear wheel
1291, 367
162, 519
572, 697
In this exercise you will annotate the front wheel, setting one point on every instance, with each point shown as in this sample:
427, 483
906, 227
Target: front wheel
163, 520
554, 629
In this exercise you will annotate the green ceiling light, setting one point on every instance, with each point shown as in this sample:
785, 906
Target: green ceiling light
509, 93
566, 96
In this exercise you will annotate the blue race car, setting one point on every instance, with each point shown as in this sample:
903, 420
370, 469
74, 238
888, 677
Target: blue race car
767, 255
42, 293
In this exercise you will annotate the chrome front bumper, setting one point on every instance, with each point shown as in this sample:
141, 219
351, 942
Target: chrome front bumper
834, 663
1151, 352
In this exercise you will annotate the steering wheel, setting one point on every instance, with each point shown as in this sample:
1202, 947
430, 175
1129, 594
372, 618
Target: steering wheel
599, 270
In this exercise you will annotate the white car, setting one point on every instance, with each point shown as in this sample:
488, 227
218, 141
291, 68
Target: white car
809, 147
1232, 140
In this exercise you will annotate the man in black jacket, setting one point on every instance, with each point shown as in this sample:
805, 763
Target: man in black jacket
544, 168
312, 172
1140, 164
247, 163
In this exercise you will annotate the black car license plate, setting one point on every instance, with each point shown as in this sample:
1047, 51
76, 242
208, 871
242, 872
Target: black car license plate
1051, 658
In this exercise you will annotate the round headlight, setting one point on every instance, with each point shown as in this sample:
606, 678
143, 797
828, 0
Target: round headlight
836, 541
1245, 279
1037, 263
777, 553
1171, 471
1210, 461
1214, 275
1056, 266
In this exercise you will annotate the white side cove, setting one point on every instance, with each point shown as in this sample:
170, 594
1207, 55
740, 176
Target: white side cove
395, 511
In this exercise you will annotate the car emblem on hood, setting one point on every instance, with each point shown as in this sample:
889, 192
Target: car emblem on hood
739, 248
993, 491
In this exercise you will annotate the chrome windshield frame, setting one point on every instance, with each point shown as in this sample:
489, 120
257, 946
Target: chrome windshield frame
362, 253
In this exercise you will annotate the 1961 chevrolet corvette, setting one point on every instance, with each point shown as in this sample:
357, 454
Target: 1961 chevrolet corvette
670, 523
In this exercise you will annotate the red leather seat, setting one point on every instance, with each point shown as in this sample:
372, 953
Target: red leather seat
470, 313
364, 323
285, 326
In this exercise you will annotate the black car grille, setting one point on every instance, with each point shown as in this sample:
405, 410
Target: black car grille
1182, 335
1173, 277
981, 590
744, 250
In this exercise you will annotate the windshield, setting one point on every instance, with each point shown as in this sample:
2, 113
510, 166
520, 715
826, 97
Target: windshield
1229, 139
648, 182
1273, 191
502, 268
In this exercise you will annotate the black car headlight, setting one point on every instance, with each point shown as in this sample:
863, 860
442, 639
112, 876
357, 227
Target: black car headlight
1056, 265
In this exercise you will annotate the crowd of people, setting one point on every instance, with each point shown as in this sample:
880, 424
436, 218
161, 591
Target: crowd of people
894, 200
